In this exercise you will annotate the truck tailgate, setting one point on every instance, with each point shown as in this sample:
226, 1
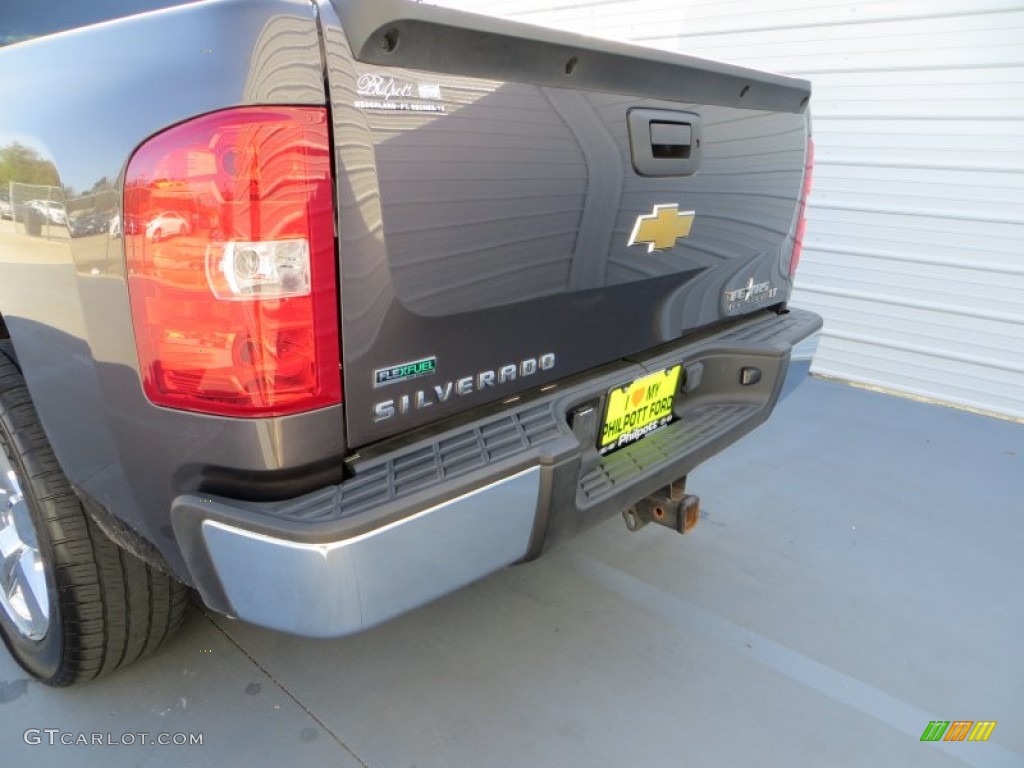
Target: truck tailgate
517, 205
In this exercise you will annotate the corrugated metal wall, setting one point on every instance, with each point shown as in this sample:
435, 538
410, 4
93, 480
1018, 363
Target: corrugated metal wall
915, 239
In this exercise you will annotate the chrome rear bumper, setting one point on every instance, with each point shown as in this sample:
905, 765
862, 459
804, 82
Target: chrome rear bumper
341, 587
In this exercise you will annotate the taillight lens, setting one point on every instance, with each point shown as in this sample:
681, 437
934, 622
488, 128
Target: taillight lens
229, 236
801, 222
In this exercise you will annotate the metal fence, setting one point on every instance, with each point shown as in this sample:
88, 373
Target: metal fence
39, 210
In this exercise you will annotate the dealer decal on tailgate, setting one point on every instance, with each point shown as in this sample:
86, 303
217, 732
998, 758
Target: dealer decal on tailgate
638, 409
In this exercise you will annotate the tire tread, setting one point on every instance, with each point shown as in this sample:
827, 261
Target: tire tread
114, 607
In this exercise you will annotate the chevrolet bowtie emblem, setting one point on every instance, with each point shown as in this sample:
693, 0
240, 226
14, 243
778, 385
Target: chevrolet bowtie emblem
660, 230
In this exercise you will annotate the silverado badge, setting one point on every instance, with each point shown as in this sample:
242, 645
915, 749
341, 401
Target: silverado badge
661, 229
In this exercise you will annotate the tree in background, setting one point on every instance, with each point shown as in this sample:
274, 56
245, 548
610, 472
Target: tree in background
24, 165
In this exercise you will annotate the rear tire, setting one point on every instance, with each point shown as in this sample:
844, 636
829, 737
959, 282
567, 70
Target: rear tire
101, 607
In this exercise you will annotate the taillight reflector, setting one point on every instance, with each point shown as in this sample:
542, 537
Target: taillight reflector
229, 236
801, 223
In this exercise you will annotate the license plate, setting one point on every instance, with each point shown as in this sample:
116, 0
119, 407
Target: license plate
636, 410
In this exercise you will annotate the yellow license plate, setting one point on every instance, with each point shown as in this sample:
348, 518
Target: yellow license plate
638, 409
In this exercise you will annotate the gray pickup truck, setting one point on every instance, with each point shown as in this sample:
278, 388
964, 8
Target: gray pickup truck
325, 308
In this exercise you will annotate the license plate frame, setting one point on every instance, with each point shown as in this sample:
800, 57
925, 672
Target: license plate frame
637, 409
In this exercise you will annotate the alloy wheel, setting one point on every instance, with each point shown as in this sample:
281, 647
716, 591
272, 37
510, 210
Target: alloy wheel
24, 592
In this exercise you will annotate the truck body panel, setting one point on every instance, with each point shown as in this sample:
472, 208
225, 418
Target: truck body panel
486, 223
64, 299
525, 221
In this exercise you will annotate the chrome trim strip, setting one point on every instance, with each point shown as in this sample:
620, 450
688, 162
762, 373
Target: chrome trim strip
341, 587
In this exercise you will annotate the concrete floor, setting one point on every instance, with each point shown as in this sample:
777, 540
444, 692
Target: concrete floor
857, 573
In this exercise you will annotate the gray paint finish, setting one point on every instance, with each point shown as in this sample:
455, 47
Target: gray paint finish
855, 574
487, 221
550, 222
420, 36
64, 298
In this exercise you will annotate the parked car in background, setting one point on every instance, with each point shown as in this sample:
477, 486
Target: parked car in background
51, 212
89, 222
166, 224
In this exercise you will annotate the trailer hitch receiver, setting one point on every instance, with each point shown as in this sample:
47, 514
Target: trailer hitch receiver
671, 506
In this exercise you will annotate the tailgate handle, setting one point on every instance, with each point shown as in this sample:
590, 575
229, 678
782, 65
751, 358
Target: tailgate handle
664, 142
670, 140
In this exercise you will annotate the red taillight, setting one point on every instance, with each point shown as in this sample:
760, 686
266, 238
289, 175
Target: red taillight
801, 222
229, 236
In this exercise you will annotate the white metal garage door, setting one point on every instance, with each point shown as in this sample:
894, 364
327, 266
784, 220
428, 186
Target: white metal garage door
915, 241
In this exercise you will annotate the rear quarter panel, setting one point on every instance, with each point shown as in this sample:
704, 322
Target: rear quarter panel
80, 102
